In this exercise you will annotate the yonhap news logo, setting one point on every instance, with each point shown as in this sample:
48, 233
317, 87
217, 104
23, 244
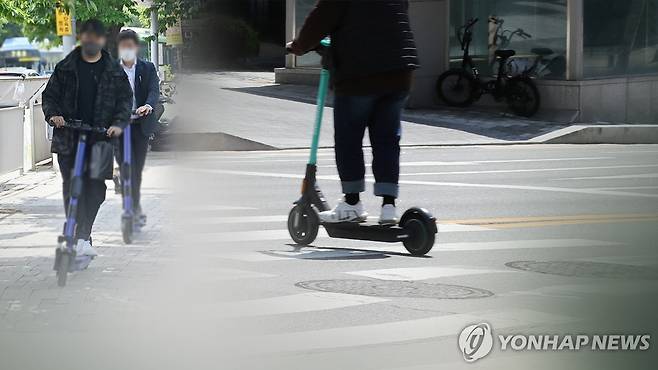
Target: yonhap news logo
477, 341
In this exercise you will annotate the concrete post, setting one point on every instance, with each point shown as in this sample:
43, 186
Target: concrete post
155, 57
575, 22
68, 42
291, 29
430, 22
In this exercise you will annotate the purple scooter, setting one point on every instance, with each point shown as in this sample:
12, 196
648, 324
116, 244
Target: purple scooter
128, 224
66, 259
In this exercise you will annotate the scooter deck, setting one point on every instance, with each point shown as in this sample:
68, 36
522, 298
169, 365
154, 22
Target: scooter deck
366, 231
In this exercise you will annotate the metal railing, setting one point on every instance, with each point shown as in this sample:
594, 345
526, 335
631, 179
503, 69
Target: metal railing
23, 131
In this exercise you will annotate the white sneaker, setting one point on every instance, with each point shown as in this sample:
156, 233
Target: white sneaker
344, 212
84, 248
389, 215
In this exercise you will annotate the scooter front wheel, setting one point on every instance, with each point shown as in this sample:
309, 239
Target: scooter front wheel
63, 266
303, 224
421, 236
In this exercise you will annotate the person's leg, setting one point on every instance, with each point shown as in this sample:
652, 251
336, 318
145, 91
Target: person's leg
351, 115
140, 143
90, 202
350, 120
385, 131
66, 163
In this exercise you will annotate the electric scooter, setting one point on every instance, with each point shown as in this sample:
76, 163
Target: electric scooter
128, 224
66, 259
416, 229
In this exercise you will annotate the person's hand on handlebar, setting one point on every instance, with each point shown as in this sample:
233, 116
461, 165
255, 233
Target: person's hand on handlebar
57, 121
292, 48
144, 110
114, 131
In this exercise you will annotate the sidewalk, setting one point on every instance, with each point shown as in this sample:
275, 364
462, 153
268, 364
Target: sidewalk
31, 218
249, 105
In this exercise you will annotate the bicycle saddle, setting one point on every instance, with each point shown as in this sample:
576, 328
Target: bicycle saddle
542, 51
505, 54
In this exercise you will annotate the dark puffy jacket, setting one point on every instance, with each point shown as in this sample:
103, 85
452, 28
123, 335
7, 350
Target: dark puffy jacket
113, 101
372, 38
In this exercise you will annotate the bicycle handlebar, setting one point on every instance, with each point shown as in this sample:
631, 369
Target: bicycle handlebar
471, 23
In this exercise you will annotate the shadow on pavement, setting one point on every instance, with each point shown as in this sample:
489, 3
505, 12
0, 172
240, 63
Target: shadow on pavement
489, 122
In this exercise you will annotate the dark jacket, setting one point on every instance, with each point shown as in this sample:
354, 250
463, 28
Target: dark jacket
147, 91
113, 99
373, 46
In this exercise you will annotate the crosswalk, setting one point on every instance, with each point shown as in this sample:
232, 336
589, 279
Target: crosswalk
261, 247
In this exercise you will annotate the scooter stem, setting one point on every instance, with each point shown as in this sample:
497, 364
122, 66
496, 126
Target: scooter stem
322, 97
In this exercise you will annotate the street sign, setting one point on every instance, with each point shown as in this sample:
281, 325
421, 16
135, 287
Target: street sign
174, 34
63, 22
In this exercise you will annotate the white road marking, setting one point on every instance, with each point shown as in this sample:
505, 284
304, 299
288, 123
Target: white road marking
305, 302
628, 188
585, 291
526, 170
399, 331
447, 184
282, 234
623, 260
423, 273
233, 274
616, 177
211, 207
521, 244
284, 218
324, 252
474, 163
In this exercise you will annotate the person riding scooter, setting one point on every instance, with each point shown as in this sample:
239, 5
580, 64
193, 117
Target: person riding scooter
144, 81
374, 55
89, 86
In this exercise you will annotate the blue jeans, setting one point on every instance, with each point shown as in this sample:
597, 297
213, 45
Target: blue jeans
381, 115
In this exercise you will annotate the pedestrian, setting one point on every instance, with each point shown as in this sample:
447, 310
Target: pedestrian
145, 84
90, 86
373, 55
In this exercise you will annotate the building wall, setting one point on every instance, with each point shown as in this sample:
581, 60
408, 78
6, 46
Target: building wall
567, 98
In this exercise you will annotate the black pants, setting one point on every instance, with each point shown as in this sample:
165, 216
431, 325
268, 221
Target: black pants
93, 195
140, 145
381, 114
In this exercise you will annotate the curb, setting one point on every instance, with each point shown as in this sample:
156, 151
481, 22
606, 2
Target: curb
601, 134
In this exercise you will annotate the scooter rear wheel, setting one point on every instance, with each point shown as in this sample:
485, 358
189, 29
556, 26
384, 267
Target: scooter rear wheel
421, 236
127, 229
303, 224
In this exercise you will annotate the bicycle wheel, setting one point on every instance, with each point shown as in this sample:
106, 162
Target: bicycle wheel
523, 96
457, 88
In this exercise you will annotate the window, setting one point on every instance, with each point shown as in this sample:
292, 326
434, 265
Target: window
543, 22
620, 37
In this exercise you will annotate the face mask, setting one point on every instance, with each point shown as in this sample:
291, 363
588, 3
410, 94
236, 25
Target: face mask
91, 48
128, 55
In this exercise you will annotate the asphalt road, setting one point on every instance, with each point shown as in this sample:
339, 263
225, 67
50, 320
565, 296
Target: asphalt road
532, 239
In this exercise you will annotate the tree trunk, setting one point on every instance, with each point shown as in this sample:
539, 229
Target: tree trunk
113, 32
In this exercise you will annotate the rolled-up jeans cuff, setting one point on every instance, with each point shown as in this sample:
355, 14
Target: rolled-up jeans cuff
351, 187
387, 189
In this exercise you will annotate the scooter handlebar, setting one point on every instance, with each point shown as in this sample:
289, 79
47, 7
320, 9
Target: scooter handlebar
78, 125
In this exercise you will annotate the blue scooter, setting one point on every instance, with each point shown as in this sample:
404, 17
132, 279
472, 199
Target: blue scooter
66, 259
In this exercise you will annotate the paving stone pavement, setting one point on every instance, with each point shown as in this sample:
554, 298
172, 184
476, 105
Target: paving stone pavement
31, 218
